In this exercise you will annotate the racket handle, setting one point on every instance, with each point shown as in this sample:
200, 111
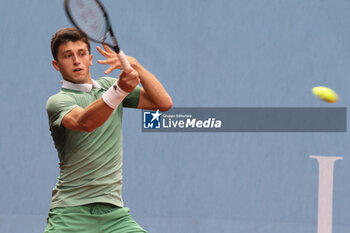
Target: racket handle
124, 61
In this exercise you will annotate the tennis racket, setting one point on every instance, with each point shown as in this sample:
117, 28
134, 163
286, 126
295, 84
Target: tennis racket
91, 17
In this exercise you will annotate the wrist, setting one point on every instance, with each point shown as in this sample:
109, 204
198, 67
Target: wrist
114, 96
134, 64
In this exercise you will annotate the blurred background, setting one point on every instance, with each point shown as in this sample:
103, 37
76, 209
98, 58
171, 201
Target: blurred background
223, 53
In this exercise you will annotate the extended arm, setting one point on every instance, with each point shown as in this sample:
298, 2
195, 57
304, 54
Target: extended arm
94, 115
152, 94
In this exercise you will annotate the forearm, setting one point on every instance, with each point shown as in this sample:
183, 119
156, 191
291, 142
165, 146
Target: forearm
155, 91
97, 113
94, 115
88, 119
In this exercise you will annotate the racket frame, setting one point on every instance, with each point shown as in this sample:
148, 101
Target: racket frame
115, 46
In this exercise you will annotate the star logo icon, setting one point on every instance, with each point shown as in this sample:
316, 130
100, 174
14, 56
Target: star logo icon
152, 119
156, 116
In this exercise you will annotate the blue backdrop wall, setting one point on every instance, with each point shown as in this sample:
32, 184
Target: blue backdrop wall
223, 53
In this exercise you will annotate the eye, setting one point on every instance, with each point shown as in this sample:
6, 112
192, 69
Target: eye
68, 55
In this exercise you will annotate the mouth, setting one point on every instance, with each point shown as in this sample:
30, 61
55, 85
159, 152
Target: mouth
77, 70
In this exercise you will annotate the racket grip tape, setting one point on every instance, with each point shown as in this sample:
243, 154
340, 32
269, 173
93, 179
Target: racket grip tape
124, 61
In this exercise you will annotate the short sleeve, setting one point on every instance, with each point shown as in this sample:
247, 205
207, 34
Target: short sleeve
57, 107
132, 99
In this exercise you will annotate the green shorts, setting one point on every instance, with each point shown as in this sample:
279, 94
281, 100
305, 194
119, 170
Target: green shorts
92, 218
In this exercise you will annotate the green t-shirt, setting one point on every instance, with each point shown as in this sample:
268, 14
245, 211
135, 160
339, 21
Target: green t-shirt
90, 163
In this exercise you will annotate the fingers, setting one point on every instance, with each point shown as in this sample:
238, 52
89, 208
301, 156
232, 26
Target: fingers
104, 53
112, 61
107, 48
108, 52
116, 61
113, 64
104, 62
128, 81
109, 70
132, 76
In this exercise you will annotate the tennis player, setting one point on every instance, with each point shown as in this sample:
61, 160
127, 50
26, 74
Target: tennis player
85, 119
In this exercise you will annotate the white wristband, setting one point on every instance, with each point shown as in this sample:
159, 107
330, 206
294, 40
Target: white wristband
114, 96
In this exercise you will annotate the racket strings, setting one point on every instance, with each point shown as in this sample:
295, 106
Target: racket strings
89, 18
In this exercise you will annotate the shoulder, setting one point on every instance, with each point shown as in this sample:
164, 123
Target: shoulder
52, 100
58, 100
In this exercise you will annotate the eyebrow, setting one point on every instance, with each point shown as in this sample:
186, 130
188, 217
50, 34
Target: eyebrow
79, 50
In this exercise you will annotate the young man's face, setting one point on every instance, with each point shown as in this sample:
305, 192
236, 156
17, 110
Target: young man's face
73, 62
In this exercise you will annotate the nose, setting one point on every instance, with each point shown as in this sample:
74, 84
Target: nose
76, 59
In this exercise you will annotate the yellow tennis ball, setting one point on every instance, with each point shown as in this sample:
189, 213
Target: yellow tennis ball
325, 94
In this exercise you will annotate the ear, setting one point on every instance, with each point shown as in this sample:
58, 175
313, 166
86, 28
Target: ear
91, 59
56, 65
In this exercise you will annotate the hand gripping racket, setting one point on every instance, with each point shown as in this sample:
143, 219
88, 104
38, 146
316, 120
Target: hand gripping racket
91, 17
